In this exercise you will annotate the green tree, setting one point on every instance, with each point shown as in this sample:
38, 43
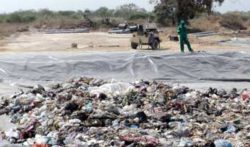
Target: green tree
87, 14
47, 13
21, 17
129, 11
176, 10
104, 12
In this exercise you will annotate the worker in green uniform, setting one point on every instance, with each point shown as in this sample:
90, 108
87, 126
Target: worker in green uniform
182, 31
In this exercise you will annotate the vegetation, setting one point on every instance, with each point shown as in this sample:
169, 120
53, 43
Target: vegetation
166, 13
100, 18
235, 20
174, 10
61, 18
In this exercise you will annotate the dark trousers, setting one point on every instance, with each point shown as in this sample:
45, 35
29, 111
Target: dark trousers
184, 41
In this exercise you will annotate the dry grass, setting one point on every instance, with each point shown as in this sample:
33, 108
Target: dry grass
233, 21
202, 23
221, 23
8, 29
206, 23
56, 23
248, 25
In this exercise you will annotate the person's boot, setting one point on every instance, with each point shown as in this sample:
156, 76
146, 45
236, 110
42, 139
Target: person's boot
191, 51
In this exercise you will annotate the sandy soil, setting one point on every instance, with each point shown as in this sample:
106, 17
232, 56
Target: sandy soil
99, 41
62, 42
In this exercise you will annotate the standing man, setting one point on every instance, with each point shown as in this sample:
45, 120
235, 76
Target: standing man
182, 31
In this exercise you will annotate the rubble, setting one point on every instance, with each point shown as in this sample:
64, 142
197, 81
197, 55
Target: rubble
92, 112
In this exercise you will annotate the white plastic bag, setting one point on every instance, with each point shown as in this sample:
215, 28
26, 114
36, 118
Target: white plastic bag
112, 89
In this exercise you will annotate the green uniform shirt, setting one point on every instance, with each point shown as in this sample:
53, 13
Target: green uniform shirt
182, 31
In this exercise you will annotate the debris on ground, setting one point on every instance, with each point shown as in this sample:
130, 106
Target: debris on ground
93, 112
74, 45
66, 30
173, 38
123, 29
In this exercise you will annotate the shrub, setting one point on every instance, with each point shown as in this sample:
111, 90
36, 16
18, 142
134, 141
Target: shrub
21, 17
9, 28
138, 15
66, 13
13, 18
2, 18
232, 21
206, 23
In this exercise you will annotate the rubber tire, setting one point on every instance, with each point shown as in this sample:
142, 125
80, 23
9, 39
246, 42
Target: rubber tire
155, 44
134, 45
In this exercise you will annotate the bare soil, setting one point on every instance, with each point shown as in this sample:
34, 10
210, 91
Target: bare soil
100, 41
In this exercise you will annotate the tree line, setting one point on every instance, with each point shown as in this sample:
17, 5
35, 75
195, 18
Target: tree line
166, 13
126, 12
175, 10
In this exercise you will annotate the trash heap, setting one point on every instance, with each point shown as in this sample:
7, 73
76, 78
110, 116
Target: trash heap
92, 112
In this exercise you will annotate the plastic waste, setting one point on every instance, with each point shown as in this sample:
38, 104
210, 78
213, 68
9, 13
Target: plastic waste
134, 126
245, 96
142, 117
146, 140
115, 123
1, 137
182, 130
112, 89
39, 139
40, 145
12, 133
222, 143
89, 107
185, 142
231, 129
124, 114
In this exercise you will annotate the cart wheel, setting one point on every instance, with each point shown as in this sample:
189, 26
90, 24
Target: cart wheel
134, 45
155, 44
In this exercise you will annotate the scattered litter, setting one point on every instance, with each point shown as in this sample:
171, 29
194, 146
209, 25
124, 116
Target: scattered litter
222, 143
239, 42
173, 38
74, 45
92, 112
123, 29
62, 31
109, 45
204, 34
245, 96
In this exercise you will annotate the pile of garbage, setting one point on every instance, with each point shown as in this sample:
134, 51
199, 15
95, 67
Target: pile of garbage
93, 112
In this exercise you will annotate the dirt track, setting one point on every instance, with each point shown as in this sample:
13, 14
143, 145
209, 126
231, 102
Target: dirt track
98, 41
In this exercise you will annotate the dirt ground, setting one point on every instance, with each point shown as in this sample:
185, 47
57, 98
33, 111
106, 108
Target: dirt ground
100, 41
